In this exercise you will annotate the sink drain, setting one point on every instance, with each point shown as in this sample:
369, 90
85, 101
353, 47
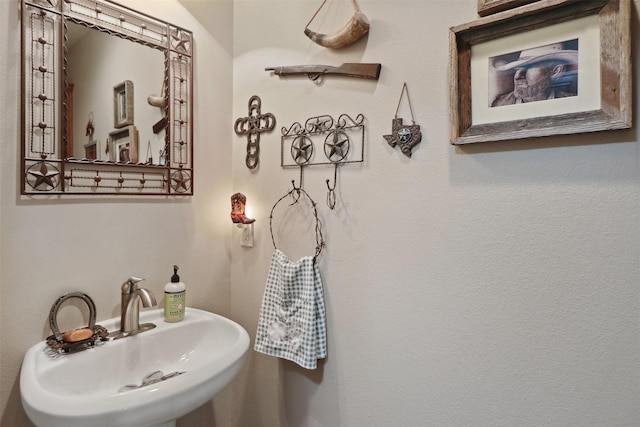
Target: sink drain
151, 378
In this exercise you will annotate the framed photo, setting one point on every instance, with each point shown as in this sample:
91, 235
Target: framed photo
91, 150
552, 67
123, 104
487, 7
123, 145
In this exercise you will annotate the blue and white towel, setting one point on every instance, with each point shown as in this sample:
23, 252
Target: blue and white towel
292, 317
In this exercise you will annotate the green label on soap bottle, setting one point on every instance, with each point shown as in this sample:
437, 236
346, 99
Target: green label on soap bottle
174, 303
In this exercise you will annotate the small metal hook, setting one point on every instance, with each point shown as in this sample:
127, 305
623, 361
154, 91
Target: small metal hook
296, 190
331, 194
315, 77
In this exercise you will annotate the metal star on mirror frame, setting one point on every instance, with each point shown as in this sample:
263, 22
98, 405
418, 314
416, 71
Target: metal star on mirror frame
43, 174
181, 40
180, 181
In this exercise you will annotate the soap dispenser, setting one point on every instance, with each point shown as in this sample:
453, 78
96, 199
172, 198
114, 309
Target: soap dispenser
174, 298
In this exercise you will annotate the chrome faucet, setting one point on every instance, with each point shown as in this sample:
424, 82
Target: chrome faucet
130, 309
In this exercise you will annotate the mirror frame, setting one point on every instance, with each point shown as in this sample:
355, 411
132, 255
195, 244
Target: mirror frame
45, 167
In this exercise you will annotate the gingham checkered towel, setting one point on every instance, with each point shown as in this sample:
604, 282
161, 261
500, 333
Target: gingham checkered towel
292, 317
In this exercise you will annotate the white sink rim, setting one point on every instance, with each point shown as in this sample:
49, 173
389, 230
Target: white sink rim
147, 405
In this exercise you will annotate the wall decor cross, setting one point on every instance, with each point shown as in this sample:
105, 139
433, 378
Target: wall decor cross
252, 126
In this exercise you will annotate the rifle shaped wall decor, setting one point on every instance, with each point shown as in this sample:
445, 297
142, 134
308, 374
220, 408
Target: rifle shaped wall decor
314, 72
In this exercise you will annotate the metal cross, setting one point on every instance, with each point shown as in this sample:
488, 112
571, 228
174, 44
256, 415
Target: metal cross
252, 125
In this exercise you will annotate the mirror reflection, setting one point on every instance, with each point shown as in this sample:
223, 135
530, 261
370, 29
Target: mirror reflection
115, 98
107, 101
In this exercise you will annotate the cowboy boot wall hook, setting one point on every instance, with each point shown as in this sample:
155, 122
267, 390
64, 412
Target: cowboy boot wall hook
238, 204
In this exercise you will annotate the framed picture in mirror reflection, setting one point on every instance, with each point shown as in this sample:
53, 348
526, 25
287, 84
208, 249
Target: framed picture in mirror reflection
91, 150
123, 104
123, 145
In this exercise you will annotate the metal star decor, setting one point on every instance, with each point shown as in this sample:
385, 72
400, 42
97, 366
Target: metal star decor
43, 175
302, 150
406, 136
336, 146
181, 40
343, 143
180, 181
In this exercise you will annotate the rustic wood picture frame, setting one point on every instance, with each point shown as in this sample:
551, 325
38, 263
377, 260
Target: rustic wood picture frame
123, 104
615, 84
488, 7
123, 145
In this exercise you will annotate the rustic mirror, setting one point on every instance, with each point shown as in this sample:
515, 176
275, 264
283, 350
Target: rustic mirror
106, 101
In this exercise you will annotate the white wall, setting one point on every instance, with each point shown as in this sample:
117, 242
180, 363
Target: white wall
49, 246
489, 285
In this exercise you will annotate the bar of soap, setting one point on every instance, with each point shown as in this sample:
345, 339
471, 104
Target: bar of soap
77, 335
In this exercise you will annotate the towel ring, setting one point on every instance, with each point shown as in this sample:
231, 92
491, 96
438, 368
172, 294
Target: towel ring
298, 191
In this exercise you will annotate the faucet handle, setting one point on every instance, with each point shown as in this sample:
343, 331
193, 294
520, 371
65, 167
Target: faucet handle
130, 285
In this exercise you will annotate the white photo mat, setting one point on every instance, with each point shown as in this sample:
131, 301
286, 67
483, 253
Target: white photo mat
585, 29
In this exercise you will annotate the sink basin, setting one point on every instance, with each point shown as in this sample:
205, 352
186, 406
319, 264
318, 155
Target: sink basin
110, 385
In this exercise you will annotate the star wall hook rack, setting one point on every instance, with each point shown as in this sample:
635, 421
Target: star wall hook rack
342, 142
405, 136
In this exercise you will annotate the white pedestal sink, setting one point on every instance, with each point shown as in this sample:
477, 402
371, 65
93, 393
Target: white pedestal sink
87, 389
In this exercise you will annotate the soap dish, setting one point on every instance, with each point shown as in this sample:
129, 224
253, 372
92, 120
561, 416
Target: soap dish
77, 339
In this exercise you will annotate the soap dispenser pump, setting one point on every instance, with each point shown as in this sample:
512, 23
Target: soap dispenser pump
174, 298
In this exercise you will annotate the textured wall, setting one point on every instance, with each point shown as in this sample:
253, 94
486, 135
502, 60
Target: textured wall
489, 285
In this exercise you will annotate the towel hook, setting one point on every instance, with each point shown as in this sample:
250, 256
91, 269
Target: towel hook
331, 194
295, 192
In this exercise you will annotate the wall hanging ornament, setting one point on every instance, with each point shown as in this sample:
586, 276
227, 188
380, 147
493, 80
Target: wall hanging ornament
159, 101
342, 139
316, 72
252, 126
405, 136
90, 128
238, 204
353, 31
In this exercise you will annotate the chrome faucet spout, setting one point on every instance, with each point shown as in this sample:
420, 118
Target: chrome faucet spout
130, 309
146, 297
131, 313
